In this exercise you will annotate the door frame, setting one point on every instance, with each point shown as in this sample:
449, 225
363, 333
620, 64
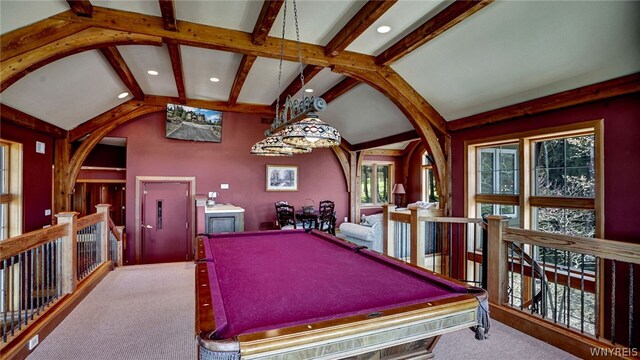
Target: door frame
191, 180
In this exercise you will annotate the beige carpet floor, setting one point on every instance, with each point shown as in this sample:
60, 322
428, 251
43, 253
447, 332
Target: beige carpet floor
147, 312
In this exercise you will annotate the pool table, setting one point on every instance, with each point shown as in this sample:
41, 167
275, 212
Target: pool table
296, 294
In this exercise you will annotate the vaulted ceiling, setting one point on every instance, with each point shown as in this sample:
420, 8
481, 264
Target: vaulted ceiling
498, 54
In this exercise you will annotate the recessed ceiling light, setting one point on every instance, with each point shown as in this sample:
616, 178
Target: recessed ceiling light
152, 72
123, 95
214, 79
308, 90
383, 29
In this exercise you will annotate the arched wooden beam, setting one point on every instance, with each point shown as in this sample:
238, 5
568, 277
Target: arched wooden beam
407, 100
344, 163
17, 67
85, 148
408, 154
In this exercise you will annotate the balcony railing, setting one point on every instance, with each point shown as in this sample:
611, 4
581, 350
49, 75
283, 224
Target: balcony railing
574, 292
43, 272
445, 245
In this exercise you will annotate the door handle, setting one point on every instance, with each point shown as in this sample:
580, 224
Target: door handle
147, 226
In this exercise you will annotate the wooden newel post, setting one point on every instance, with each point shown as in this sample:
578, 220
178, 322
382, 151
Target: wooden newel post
121, 245
387, 230
497, 260
69, 252
104, 231
417, 241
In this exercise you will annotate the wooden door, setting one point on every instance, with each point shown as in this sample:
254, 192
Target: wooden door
165, 222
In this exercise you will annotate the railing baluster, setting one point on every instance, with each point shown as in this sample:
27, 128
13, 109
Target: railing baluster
555, 286
613, 301
19, 291
5, 298
31, 282
521, 277
582, 293
569, 289
631, 344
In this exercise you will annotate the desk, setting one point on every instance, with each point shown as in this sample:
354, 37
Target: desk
298, 295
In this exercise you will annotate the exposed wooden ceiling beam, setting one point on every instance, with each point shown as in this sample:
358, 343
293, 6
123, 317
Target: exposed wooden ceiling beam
441, 22
360, 22
112, 115
30, 122
346, 146
607, 89
211, 37
384, 152
168, 11
268, 14
118, 64
339, 89
409, 135
17, 67
243, 70
35, 35
81, 7
176, 65
309, 72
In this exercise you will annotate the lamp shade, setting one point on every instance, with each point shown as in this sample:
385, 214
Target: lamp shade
398, 189
257, 149
311, 132
274, 143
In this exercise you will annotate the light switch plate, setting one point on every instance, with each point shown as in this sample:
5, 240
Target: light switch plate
40, 147
224, 186
47, 212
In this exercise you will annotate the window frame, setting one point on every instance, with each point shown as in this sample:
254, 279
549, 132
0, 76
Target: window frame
374, 182
526, 199
13, 195
427, 176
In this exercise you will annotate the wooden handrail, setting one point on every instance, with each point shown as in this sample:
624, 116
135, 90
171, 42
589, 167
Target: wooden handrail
114, 229
25, 242
456, 220
89, 220
605, 249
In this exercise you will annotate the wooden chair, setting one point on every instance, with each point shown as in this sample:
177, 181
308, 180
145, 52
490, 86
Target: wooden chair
286, 216
326, 217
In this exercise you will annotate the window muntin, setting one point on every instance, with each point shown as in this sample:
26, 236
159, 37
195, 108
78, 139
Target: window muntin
375, 183
557, 168
565, 167
510, 211
498, 170
10, 189
429, 190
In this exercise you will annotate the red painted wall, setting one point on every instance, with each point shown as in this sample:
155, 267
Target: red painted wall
37, 177
621, 152
149, 153
621, 174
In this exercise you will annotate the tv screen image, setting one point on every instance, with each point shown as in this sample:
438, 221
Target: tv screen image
193, 124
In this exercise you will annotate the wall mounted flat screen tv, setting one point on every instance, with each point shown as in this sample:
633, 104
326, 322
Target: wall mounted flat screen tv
193, 124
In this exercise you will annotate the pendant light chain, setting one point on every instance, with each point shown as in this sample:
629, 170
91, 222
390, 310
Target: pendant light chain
284, 24
295, 17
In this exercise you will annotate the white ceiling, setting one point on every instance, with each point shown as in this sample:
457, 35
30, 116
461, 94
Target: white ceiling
508, 52
511, 52
68, 93
364, 114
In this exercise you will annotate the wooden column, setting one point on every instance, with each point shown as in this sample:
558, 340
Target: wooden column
121, 244
69, 252
104, 231
417, 238
497, 260
61, 193
388, 229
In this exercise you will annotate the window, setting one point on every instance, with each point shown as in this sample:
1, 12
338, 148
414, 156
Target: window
544, 180
375, 183
429, 191
10, 189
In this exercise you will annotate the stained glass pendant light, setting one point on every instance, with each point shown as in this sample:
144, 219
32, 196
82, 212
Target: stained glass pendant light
311, 132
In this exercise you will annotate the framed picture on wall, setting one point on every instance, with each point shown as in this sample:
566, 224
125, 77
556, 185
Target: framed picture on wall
282, 178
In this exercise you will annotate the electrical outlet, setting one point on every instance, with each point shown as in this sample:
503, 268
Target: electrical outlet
346, 219
33, 342
224, 186
47, 212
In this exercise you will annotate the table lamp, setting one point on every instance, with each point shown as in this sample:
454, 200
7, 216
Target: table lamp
398, 190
